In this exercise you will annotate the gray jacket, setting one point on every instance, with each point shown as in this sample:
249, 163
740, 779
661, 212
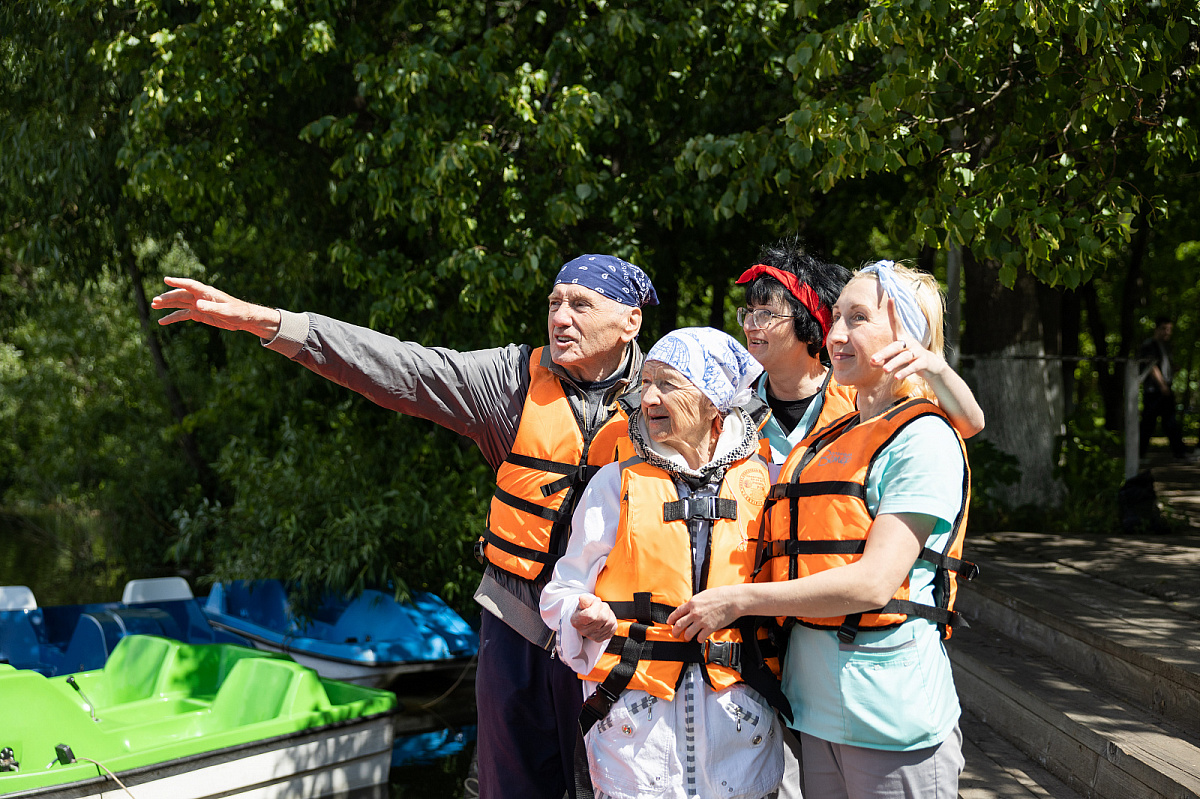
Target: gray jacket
478, 394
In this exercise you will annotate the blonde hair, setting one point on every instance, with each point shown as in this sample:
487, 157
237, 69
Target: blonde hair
932, 303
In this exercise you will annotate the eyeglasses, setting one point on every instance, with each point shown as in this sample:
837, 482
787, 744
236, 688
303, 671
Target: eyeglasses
759, 319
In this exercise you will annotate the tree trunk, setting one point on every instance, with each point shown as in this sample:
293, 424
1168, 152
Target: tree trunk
1019, 389
716, 311
1072, 312
187, 443
1112, 390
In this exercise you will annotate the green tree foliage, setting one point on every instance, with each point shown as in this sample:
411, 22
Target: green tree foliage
426, 167
1019, 127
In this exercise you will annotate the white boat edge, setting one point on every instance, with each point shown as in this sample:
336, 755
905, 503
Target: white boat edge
338, 760
365, 674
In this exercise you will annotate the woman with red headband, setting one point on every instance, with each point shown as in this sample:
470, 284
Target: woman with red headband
789, 283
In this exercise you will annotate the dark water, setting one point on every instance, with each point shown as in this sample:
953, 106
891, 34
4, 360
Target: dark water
435, 736
441, 778
440, 773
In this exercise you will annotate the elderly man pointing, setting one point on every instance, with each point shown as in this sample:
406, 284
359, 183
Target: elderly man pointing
546, 419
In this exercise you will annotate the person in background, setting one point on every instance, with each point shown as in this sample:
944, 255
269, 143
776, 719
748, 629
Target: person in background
864, 533
789, 296
665, 717
1158, 400
544, 418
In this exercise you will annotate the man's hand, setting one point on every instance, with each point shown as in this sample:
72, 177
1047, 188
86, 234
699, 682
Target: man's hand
594, 619
200, 303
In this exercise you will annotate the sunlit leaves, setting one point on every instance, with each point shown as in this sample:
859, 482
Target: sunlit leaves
1036, 105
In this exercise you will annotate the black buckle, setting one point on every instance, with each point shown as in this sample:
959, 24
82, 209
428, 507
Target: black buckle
847, 633
723, 653
479, 556
968, 572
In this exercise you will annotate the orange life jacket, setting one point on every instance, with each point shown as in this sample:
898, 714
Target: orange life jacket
650, 572
539, 483
837, 401
817, 518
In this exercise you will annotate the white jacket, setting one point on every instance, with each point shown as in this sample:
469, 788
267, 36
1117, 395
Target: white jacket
703, 744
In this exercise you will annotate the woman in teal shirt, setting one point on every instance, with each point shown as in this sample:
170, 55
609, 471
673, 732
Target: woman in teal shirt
877, 709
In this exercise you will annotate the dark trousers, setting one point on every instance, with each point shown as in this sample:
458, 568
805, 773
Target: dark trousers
528, 704
1155, 406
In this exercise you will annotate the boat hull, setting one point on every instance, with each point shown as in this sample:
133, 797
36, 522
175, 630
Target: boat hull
340, 760
370, 640
376, 675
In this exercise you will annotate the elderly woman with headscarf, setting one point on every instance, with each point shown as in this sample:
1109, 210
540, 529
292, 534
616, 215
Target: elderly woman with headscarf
667, 717
864, 542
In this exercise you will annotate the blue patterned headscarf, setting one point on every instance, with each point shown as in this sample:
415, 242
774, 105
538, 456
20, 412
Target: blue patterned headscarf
713, 360
608, 275
905, 298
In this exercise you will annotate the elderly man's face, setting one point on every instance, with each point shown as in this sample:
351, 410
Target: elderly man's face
676, 412
588, 331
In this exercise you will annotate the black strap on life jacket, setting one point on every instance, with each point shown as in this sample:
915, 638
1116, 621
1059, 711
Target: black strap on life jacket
707, 508
747, 657
939, 614
578, 475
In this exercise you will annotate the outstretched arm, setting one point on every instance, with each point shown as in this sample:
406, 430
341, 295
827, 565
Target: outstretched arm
906, 357
198, 302
892, 547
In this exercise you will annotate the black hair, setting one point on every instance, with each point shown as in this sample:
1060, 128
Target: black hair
1162, 319
826, 278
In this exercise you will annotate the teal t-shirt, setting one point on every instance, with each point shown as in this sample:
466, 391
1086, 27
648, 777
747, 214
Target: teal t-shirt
781, 442
890, 689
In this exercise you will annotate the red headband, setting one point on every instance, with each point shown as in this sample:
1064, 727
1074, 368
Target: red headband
801, 291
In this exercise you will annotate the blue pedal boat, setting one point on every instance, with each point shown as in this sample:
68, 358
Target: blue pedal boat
64, 639
369, 640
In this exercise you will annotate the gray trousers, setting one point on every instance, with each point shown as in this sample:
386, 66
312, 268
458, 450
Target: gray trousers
793, 776
838, 771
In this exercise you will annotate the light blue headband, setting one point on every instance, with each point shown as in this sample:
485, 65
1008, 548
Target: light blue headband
905, 298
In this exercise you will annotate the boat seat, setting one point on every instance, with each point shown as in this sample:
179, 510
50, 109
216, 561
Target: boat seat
264, 602
94, 636
19, 644
17, 597
156, 589
133, 668
263, 688
374, 616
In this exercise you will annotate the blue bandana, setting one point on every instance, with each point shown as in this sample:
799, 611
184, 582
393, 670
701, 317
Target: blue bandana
713, 360
608, 275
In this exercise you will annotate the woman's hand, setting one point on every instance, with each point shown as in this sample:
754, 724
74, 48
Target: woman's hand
594, 619
705, 613
905, 356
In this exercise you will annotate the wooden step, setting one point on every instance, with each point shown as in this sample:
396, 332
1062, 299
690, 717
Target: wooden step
1093, 741
1137, 646
995, 769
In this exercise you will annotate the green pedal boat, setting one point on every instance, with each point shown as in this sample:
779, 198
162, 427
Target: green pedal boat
168, 720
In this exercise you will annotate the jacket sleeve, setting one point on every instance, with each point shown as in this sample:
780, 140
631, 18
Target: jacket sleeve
593, 536
477, 394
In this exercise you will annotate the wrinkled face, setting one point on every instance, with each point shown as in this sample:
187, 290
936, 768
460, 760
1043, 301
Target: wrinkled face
861, 327
776, 344
676, 412
588, 331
